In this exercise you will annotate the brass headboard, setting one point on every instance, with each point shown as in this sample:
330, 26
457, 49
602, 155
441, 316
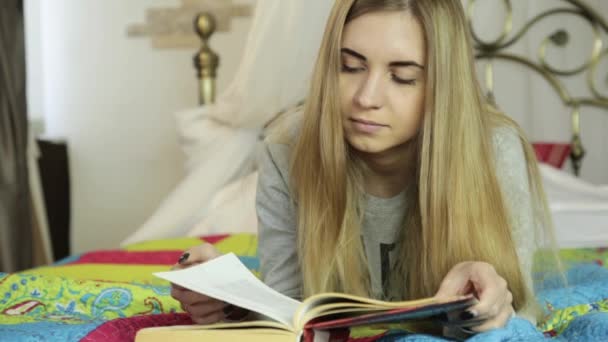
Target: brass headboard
497, 50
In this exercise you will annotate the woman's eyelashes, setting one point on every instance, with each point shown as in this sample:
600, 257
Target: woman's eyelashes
352, 70
404, 81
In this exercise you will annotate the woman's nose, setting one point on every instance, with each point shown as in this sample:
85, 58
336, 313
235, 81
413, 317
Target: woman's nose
370, 93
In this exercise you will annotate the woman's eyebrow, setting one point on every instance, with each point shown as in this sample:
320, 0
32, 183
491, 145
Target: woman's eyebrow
405, 64
359, 56
354, 54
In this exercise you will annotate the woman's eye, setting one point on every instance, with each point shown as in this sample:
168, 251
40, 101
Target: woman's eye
346, 68
404, 81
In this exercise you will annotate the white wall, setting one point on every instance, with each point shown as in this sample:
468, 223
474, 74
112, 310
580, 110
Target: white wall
33, 49
529, 99
112, 98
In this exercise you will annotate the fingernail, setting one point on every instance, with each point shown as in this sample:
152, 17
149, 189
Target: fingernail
467, 315
183, 258
228, 310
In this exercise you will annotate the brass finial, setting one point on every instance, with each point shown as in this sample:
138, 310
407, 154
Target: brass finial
205, 25
577, 152
206, 61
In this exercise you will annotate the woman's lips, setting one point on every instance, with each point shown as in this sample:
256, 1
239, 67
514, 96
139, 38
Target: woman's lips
366, 126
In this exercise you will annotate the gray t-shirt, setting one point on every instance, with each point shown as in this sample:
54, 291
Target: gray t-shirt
382, 221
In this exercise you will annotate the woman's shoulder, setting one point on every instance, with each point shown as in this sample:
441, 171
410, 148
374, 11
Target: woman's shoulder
505, 137
510, 159
275, 155
278, 143
507, 145
273, 166
284, 128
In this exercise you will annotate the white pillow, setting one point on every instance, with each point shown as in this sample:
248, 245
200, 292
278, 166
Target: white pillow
232, 209
221, 154
567, 192
579, 209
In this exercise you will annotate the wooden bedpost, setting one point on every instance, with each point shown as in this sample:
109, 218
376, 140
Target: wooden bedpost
206, 60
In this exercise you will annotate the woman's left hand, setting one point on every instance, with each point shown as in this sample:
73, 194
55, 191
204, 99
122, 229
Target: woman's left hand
494, 308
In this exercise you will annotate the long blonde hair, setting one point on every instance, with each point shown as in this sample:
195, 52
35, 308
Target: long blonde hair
456, 212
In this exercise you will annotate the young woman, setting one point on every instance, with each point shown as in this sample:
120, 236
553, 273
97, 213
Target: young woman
399, 182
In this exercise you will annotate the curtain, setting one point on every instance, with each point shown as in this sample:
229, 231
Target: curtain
220, 140
15, 208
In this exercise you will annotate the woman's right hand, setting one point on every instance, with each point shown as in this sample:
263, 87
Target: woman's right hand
202, 309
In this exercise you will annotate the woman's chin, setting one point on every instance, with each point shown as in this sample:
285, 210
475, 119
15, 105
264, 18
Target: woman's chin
367, 147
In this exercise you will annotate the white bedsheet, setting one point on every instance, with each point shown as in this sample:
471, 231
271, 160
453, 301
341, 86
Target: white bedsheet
579, 209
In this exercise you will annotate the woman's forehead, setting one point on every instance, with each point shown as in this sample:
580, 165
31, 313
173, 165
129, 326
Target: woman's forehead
386, 37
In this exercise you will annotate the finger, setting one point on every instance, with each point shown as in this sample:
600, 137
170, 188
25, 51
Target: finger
468, 320
236, 314
209, 319
489, 288
205, 309
499, 321
493, 294
190, 297
178, 266
456, 282
198, 254
507, 302
176, 293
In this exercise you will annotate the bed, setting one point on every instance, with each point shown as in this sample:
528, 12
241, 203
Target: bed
108, 295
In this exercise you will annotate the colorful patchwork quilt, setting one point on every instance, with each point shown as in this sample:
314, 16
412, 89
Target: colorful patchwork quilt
110, 295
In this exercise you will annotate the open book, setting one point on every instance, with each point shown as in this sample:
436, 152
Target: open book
285, 319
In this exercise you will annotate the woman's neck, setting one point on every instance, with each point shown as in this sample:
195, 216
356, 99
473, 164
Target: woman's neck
389, 172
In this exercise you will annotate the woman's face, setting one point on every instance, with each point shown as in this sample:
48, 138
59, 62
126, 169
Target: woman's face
382, 80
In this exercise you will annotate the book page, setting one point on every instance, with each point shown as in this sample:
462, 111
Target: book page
227, 279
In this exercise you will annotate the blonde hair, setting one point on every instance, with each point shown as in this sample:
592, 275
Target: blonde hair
456, 212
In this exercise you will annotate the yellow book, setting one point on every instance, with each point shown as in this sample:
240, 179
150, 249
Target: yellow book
318, 318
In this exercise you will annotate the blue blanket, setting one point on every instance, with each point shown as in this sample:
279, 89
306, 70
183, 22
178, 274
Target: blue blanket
583, 305
112, 293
